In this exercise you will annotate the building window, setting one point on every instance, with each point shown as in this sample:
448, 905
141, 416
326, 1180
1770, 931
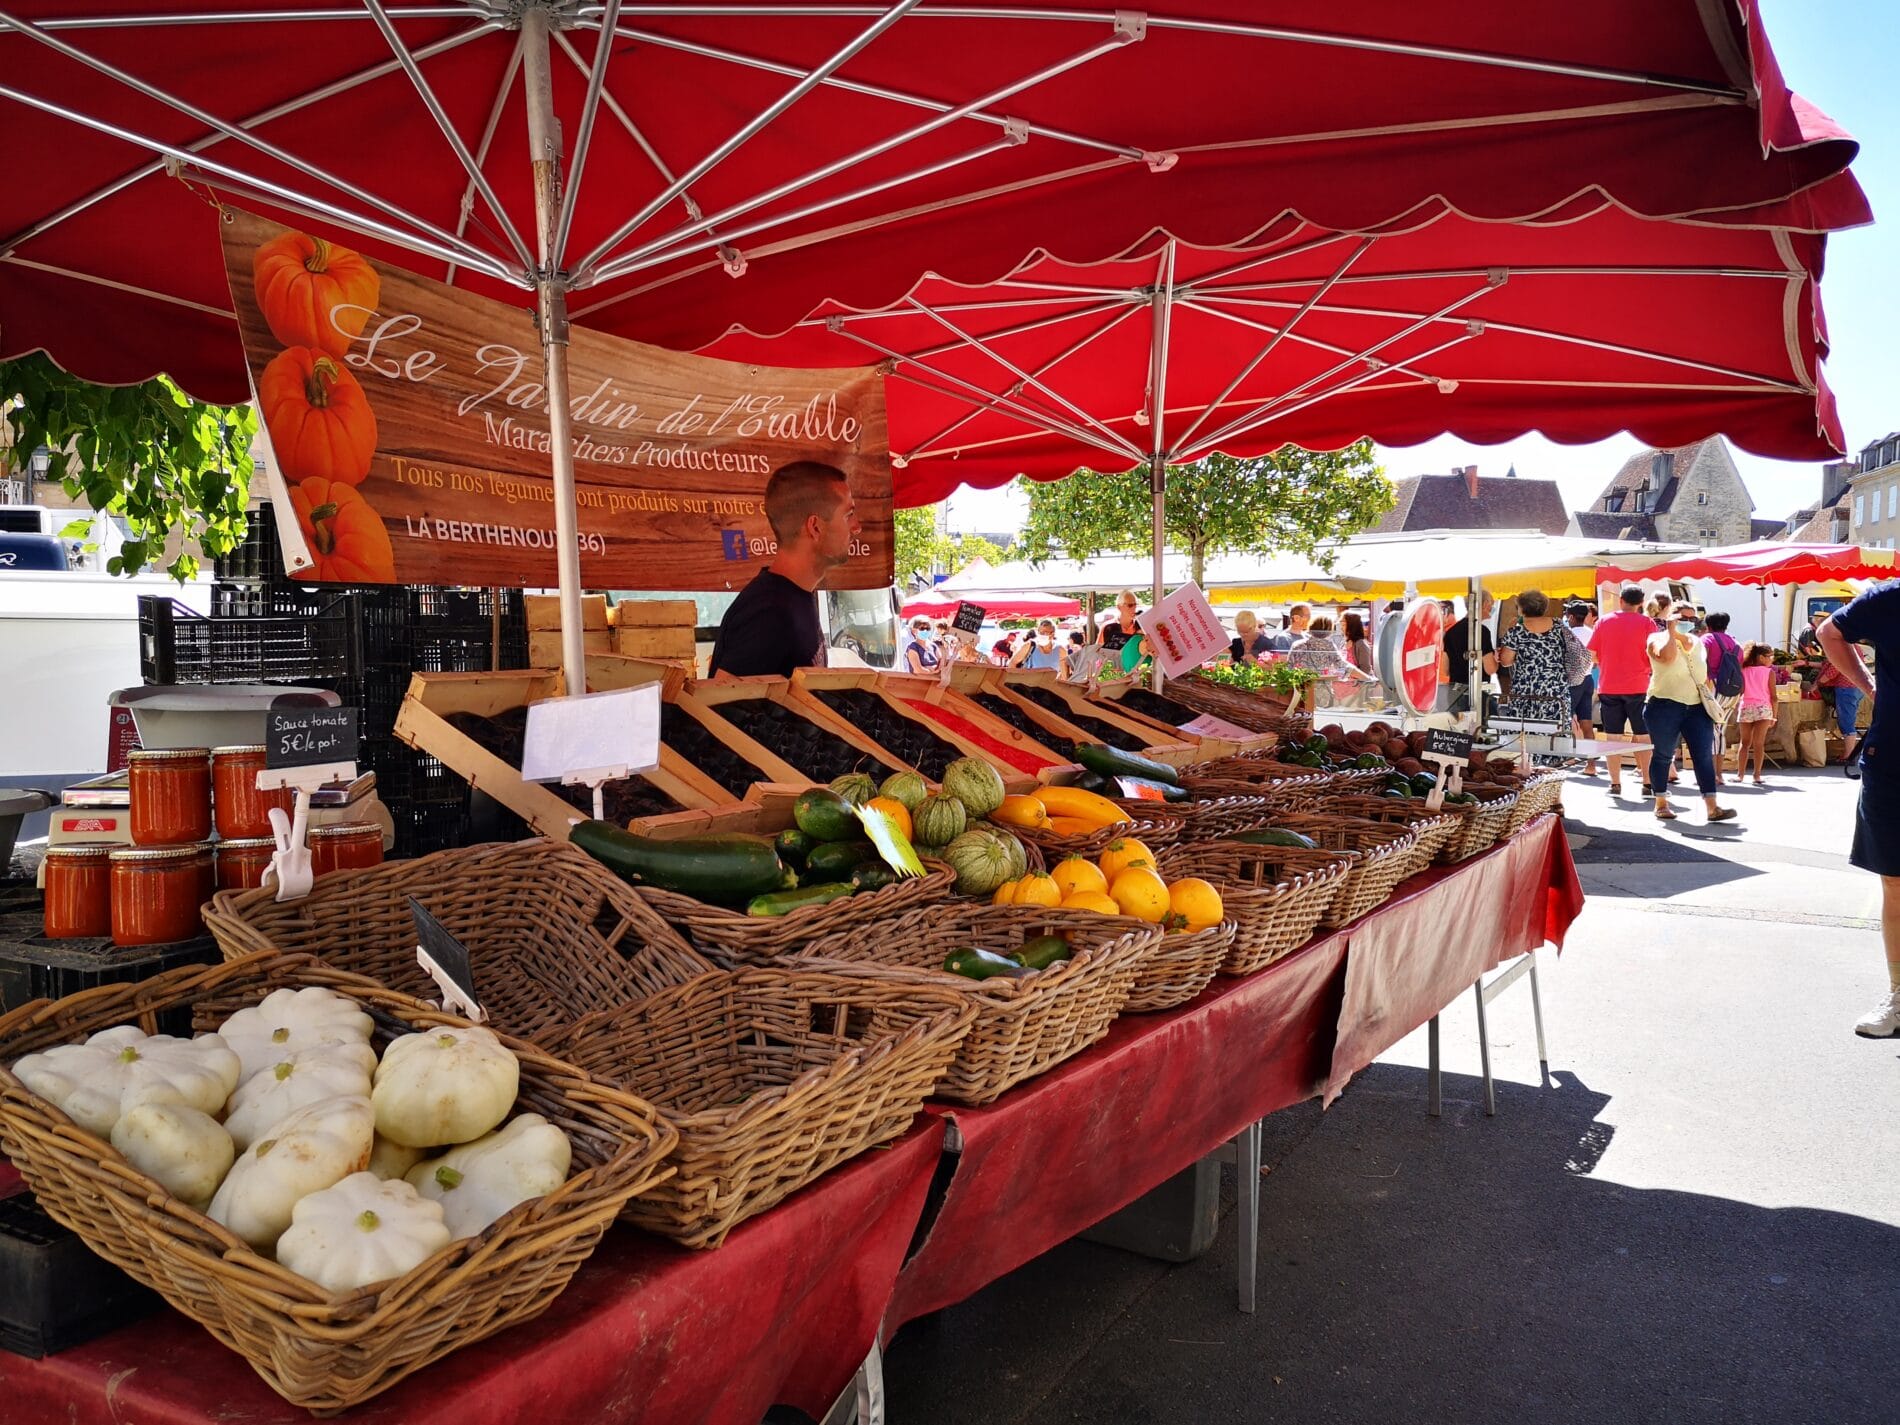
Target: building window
1893, 502
1702, 497
1661, 466
1860, 513
1613, 502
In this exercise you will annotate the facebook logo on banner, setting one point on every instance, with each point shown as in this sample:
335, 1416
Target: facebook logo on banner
734, 541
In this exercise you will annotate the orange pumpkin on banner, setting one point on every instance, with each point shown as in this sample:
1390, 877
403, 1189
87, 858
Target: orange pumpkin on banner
300, 281
320, 422
345, 534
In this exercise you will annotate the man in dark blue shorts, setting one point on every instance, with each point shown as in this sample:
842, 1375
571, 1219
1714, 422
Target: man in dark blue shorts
1874, 619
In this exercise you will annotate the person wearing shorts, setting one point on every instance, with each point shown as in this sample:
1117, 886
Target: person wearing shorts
1621, 647
1758, 709
1873, 618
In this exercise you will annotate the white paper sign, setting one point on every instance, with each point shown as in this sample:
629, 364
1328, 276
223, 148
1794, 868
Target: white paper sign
593, 738
1207, 725
1183, 632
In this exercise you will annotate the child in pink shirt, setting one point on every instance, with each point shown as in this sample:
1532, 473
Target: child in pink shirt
1758, 707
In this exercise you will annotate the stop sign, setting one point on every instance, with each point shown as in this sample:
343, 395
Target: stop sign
1421, 639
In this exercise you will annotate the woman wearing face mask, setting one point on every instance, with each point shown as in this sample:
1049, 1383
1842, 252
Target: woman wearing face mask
1678, 677
920, 653
1042, 651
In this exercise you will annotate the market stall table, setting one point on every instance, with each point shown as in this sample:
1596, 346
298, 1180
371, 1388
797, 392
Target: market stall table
648, 1331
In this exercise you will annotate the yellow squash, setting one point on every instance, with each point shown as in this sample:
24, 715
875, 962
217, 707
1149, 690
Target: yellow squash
1097, 811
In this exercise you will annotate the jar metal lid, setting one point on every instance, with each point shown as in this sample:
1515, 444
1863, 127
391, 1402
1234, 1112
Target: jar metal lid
246, 843
82, 851
345, 828
167, 754
161, 853
237, 751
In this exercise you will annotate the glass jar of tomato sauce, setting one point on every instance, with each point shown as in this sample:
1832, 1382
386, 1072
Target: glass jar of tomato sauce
241, 810
171, 796
345, 846
241, 862
157, 892
78, 891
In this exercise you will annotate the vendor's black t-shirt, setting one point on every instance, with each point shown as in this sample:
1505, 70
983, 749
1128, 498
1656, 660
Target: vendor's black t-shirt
1458, 650
771, 628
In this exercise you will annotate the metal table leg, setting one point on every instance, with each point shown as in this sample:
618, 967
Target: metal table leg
862, 1401
1484, 1054
1537, 1013
1247, 1155
1434, 1080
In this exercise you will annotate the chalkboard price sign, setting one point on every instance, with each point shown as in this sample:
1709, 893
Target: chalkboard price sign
1448, 744
309, 737
445, 960
969, 618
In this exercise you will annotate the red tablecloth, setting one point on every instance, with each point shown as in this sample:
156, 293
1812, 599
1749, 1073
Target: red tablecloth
1428, 944
1060, 1153
647, 1331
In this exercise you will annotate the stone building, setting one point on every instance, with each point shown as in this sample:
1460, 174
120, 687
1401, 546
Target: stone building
1829, 521
1875, 495
1692, 494
1464, 500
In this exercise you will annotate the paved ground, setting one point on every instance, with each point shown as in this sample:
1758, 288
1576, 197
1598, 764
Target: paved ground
1698, 1220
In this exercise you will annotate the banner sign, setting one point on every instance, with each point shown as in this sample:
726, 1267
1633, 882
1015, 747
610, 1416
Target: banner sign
409, 424
1183, 631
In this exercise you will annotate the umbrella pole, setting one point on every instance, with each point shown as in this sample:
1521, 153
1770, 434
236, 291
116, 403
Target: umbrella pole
544, 148
1161, 310
1474, 647
1158, 480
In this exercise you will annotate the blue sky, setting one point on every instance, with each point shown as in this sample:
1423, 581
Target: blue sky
1834, 52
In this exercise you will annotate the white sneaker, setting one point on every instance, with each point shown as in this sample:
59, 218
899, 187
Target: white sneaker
1883, 1021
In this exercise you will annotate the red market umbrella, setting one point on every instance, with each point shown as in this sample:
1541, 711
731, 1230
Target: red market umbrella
726, 162
1767, 563
997, 603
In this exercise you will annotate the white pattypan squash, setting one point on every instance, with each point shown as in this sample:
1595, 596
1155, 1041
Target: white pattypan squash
183, 1150
480, 1181
199, 1073
289, 1020
316, 1147
445, 1086
266, 1099
85, 1081
393, 1160
360, 1231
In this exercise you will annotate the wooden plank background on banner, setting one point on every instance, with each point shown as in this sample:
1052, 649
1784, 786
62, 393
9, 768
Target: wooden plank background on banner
410, 425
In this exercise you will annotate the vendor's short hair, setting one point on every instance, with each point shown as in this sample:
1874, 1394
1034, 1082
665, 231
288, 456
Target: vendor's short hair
798, 491
1718, 622
1576, 611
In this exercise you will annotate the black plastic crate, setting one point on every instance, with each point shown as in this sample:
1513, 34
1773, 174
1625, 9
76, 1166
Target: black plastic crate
179, 645
406, 776
256, 557
34, 967
55, 1293
423, 828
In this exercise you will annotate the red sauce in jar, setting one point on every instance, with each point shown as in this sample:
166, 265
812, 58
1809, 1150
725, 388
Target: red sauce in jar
157, 892
242, 811
171, 796
241, 863
78, 891
345, 846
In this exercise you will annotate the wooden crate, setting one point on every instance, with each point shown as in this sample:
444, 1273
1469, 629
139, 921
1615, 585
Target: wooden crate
654, 613
544, 611
704, 701
1161, 743
544, 645
766, 811
672, 644
1203, 748
897, 690
422, 722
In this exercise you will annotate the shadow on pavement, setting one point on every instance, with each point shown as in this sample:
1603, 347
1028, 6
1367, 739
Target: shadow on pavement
1464, 1269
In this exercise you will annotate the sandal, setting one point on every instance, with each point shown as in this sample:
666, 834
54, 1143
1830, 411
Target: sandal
1722, 814
1664, 814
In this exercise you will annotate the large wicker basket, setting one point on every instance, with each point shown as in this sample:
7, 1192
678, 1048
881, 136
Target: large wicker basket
1180, 967
1487, 823
1433, 829
1537, 793
731, 939
1276, 896
551, 933
1249, 776
320, 1351
1252, 711
773, 1076
1385, 857
1023, 1027
1154, 826
1211, 818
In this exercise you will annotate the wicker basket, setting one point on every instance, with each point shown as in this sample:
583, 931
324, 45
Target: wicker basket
1434, 829
319, 1351
1276, 896
1386, 856
1023, 1027
1537, 793
731, 939
773, 1076
1485, 825
1214, 817
551, 933
1240, 707
1180, 967
1155, 827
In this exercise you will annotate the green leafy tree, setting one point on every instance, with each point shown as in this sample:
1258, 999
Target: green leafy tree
166, 463
1292, 500
918, 548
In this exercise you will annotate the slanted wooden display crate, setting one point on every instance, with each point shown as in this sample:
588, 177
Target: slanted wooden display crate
1206, 747
759, 718
433, 698
1158, 741
894, 694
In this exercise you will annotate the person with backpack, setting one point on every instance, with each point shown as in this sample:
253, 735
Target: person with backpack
1724, 657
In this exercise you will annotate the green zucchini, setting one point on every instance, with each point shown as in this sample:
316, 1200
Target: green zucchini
784, 902
714, 868
823, 814
1043, 951
1113, 762
982, 965
1275, 836
836, 860
1095, 782
873, 876
794, 846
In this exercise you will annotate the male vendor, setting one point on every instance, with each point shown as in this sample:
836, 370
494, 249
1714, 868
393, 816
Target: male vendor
772, 627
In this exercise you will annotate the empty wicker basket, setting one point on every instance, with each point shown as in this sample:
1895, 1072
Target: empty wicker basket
1023, 1027
317, 1350
1276, 896
773, 1076
551, 933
